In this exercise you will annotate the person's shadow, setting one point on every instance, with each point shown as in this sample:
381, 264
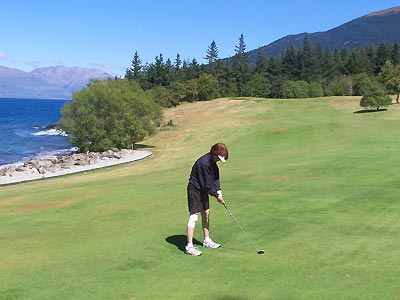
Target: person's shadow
180, 241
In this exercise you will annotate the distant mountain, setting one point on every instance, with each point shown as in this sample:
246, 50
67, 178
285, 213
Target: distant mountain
57, 82
369, 30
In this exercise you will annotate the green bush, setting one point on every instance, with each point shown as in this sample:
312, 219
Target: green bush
110, 114
258, 86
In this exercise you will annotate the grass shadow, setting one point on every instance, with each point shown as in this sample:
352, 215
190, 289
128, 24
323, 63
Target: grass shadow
142, 146
365, 111
180, 241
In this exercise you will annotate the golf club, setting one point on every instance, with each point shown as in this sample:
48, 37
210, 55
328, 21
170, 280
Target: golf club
237, 223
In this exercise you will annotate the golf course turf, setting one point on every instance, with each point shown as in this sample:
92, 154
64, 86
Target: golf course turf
313, 183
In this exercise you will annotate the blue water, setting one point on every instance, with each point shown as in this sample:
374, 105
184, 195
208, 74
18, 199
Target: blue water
24, 131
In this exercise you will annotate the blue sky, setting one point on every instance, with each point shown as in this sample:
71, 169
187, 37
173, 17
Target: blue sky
105, 34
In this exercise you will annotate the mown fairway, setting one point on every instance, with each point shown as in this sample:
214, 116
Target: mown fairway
313, 183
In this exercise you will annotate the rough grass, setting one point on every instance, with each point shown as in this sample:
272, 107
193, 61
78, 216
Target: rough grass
312, 183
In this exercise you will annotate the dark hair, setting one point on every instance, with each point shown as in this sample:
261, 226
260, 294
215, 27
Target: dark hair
220, 149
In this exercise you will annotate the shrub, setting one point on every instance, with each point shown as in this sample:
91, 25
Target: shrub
110, 114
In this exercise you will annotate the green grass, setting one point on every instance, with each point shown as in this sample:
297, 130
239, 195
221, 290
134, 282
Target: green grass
312, 183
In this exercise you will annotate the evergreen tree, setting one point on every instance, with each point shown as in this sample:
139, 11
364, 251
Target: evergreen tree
261, 65
178, 69
344, 57
157, 73
328, 70
308, 61
192, 69
212, 53
135, 69
240, 66
178, 62
240, 49
383, 54
291, 64
395, 54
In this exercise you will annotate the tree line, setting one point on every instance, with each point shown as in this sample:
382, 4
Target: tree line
118, 113
296, 73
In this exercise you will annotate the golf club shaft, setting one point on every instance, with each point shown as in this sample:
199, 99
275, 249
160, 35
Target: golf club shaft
237, 223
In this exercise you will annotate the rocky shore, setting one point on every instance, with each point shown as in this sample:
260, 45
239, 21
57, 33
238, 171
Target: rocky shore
39, 168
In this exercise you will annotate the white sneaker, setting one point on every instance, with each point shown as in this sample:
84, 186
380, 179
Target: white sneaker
211, 244
193, 251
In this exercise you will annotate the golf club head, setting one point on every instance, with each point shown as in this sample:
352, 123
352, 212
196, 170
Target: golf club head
260, 252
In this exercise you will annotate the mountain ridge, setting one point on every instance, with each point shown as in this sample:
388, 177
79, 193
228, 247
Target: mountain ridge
56, 82
368, 30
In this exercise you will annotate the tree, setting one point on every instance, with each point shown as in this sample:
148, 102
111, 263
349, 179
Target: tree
309, 61
207, 87
212, 53
315, 90
178, 62
241, 48
191, 91
258, 86
191, 69
163, 96
386, 72
158, 73
374, 95
134, 71
295, 89
339, 86
393, 83
291, 64
240, 66
395, 54
109, 114
261, 65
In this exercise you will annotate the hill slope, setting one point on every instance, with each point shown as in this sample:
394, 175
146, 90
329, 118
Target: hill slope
371, 29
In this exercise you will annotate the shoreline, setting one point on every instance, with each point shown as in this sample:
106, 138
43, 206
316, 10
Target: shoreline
25, 172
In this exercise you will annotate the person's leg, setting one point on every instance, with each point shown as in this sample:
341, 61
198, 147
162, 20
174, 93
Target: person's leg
190, 249
205, 220
190, 228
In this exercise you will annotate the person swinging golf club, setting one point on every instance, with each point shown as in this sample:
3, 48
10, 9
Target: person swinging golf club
204, 181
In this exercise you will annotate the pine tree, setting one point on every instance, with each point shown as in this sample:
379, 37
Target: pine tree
212, 53
178, 62
136, 67
291, 64
261, 62
240, 66
241, 48
395, 54
308, 61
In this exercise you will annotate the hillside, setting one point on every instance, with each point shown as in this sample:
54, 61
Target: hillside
57, 82
368, 30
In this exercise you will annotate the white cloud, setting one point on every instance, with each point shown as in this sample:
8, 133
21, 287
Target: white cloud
34, 63
105, 67
5, 57
59, 63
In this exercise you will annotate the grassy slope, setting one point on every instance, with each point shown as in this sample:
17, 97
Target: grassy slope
313, 184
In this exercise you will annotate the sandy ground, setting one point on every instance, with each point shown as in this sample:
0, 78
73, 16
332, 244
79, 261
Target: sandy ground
19, 177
